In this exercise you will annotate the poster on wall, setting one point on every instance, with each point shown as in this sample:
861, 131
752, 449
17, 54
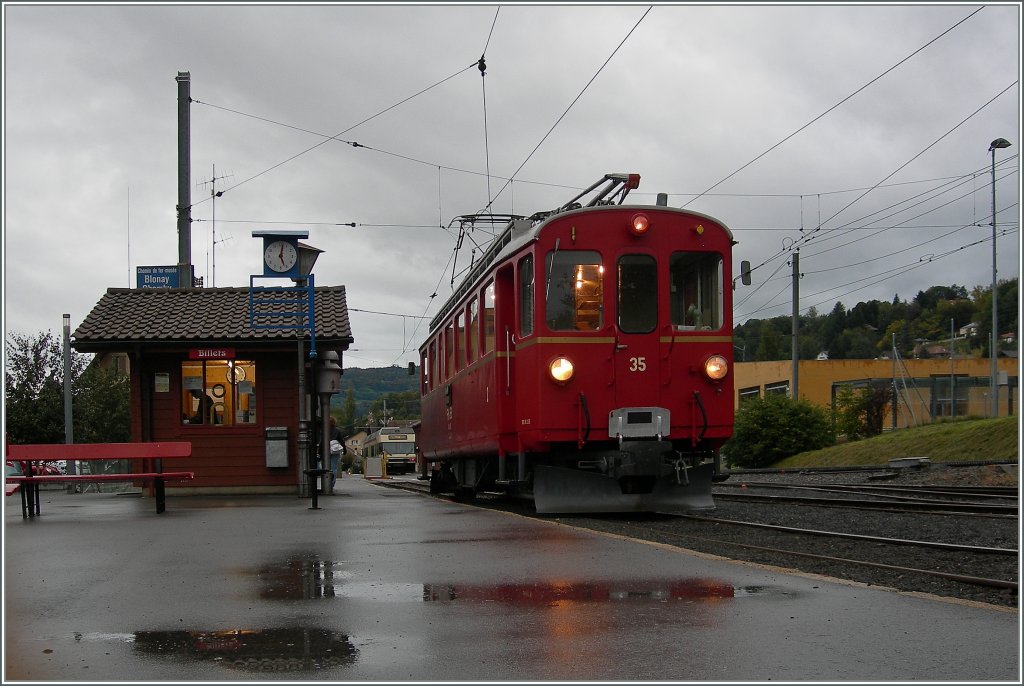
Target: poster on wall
192, 383
162, 383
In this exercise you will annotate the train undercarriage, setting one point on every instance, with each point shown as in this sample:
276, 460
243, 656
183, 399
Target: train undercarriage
633, 476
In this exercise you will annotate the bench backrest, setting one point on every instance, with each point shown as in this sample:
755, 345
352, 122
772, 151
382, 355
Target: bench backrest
99, 451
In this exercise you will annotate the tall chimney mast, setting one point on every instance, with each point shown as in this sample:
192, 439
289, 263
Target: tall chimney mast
184, 183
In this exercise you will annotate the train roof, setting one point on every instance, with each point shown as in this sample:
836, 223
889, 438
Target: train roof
522, 231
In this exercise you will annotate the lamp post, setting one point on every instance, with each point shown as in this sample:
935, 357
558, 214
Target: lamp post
994, 351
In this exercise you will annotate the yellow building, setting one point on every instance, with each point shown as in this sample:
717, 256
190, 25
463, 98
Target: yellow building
926, 388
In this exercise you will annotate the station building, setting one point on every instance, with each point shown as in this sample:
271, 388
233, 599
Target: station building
927, 389
200, 372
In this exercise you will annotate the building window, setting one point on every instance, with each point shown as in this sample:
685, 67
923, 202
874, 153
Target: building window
748, 394
697, 300
778, 388
218, 392
574, 290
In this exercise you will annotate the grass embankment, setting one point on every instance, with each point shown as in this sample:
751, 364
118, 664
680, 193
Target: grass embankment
951, 441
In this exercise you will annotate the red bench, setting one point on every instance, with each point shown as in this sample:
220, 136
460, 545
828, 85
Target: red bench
85, 452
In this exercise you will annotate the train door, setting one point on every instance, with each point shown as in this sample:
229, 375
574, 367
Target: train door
637, 356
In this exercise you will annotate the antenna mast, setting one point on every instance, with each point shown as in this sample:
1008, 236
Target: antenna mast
214, 194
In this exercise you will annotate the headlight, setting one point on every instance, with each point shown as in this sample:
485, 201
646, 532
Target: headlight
560, 369
716, 367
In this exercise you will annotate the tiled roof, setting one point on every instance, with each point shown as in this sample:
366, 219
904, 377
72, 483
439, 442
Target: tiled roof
220, 315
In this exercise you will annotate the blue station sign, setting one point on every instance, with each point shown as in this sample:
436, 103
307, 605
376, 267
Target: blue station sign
156, 277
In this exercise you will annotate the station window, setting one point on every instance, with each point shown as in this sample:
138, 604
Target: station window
526, 296
574, 290
474, 329
777, 388
489, 317
218, 392
697, 300
638, 294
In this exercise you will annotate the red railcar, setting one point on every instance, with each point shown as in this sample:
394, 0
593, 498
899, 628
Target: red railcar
586, 360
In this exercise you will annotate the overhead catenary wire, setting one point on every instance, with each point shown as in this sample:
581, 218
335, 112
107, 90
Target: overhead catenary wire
340, 133
830, 109
804, 239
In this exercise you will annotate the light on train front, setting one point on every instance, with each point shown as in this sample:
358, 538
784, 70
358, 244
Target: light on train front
639, 224
716, 367
560, 369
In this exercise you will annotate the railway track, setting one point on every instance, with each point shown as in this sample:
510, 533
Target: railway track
912, 546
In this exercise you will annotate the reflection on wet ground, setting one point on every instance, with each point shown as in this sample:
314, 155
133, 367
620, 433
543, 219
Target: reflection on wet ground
265, 650
254, 650
307, 577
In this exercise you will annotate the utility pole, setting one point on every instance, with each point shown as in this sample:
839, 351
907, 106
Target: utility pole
69, 427
796, 324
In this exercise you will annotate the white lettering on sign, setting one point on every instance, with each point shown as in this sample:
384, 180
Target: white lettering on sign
156, 280
211, 353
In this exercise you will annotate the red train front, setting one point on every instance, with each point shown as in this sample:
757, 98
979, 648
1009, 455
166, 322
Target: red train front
586, 360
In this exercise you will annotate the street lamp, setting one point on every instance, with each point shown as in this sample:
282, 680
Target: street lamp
994, 351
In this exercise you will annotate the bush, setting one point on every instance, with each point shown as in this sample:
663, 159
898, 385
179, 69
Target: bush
774, 428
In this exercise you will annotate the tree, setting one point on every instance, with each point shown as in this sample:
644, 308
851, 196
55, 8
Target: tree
770, 429
34, 390
860, 412
770, 345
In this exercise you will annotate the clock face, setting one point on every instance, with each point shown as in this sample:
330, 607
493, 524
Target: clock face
280, 256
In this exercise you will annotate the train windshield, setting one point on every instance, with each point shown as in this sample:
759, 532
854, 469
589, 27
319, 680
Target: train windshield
574, 290
697, 300
638, 293
399, 447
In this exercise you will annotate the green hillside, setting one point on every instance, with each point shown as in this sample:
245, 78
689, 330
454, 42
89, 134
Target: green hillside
370, 384
952, 441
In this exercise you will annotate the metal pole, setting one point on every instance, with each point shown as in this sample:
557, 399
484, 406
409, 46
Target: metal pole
69, 427
184, 186
994, 351
796, 324
952, 372
303, 441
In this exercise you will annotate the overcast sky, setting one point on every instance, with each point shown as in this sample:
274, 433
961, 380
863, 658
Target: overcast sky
693, 94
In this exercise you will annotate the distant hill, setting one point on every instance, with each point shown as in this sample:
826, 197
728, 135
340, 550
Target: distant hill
370, 384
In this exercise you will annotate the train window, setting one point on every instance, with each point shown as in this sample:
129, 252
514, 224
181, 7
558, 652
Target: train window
474, 329
574, 290
526, 296
436, 353
489, 317
449, 341
460, 340
696, 298
425, 360
638, 294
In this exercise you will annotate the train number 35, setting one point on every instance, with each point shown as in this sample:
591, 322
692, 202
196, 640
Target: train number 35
637, 364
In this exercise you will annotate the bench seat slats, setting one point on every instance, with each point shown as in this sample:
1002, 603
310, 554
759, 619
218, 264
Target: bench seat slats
58, 478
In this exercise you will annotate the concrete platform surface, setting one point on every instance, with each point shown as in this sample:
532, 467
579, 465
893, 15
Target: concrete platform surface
385, 585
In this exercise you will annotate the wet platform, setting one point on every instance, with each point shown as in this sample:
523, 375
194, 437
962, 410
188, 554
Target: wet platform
385, 585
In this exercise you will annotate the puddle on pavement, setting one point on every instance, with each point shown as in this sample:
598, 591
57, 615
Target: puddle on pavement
303, 577
250, 650
308, 577
546, 593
